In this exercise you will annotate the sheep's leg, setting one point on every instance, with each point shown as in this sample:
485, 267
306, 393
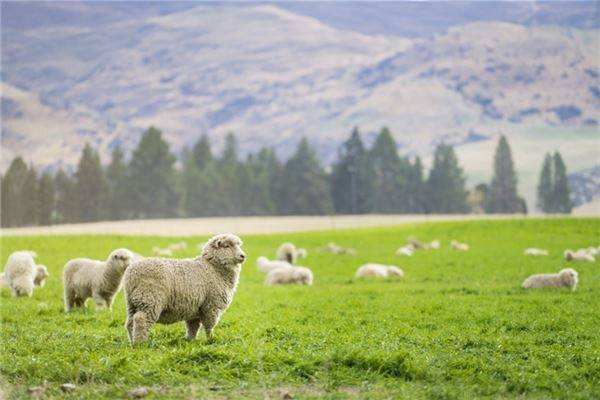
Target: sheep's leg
99, 300
209, 320
70, 300
141, 327
192, 327
108, 299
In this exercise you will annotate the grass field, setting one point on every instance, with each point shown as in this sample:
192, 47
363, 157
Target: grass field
457, 326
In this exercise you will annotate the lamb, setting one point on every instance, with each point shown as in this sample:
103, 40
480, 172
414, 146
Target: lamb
565, 278
41, 273
19, 273
459, 246
157, 251
532, 251
195, 290
289, 275
288, 252
101, 280
379, 270
178, 246
265, 265
579, 255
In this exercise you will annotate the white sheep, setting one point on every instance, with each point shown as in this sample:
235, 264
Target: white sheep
195, 290
435, 244
41, 274
265, 265
459, 246
406, 250
289, 275
532, 251
288, 252
19, 273
337, 249
157, 251
564, 278
379, 270
579, 255
178, 246
84, 278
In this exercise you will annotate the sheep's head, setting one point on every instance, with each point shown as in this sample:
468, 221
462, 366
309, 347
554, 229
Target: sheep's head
568, 255
120, 258
569, 277
395, 271
41, 274
302, 253
303, 275
224, 250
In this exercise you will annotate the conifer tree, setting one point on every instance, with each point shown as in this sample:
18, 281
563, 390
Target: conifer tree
116, 176
561, 194
90, 186
47, 199
202, 153
65, 197
446, 183
503, 189
545, 188
388, 196
13, 206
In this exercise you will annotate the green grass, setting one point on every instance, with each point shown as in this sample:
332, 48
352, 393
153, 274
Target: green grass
457, 326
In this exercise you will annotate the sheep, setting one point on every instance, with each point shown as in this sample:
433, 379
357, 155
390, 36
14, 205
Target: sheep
532, 251
435, 244
288, 252
41, 273
289, 275
379, 270
265, 265
579, 255
157, 251
417, 244
336, 249
459, 246
195, 290
564, 278
101, 280
407, 250
20, 272
178, 246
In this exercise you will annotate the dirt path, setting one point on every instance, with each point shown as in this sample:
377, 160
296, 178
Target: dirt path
241, 225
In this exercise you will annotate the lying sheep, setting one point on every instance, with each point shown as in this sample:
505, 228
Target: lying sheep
178, 246
289, 275
196, 290
379, 270
532, 251
417, 244
435, 244
84, 278
565, 278
265, 265
288, 252
459, 246
157, 251
41, 274
20, 272
336, 249
579, 255
407, 250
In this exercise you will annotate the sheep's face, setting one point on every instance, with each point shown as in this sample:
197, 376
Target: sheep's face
41, 275
395, 271
569, 276
120, 258
224, 250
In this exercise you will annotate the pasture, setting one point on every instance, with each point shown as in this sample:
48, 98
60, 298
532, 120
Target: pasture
457, 326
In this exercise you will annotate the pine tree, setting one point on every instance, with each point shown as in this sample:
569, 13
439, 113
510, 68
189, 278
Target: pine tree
415, 188
13, 206
30, 198
90, 186
65, 197
305, 189
446, 183
503, 189
116, 177
545, 188
351, 180
255, 185
152, 178
47, 198
561, 194
230, 172
202, 153
388, 191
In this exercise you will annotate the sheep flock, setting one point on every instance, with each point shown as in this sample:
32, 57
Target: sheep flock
199, 290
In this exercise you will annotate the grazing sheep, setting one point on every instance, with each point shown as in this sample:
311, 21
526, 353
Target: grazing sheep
532, 251
178, 246
195, 290
336, 249
288, 252
289, 275
84, 278
20, 272
565, 278
435, 244
579, 255
265, 265
407, 250
459, 246
157, 251
379, 270
41, 273
417, 244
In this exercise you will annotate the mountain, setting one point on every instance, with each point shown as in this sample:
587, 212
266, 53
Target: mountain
585, 186
103, 72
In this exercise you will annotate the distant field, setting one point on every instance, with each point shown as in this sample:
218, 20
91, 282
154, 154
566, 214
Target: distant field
458, 325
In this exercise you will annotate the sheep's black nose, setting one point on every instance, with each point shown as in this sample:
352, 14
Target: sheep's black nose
243, 256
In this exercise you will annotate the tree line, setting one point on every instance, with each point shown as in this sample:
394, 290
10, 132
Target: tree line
362, 180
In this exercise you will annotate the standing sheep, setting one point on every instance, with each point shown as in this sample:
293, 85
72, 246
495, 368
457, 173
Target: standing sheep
565, 278
265, 265
19, 273
289, 275
84, 278
196, 290
288, 252
379, 270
